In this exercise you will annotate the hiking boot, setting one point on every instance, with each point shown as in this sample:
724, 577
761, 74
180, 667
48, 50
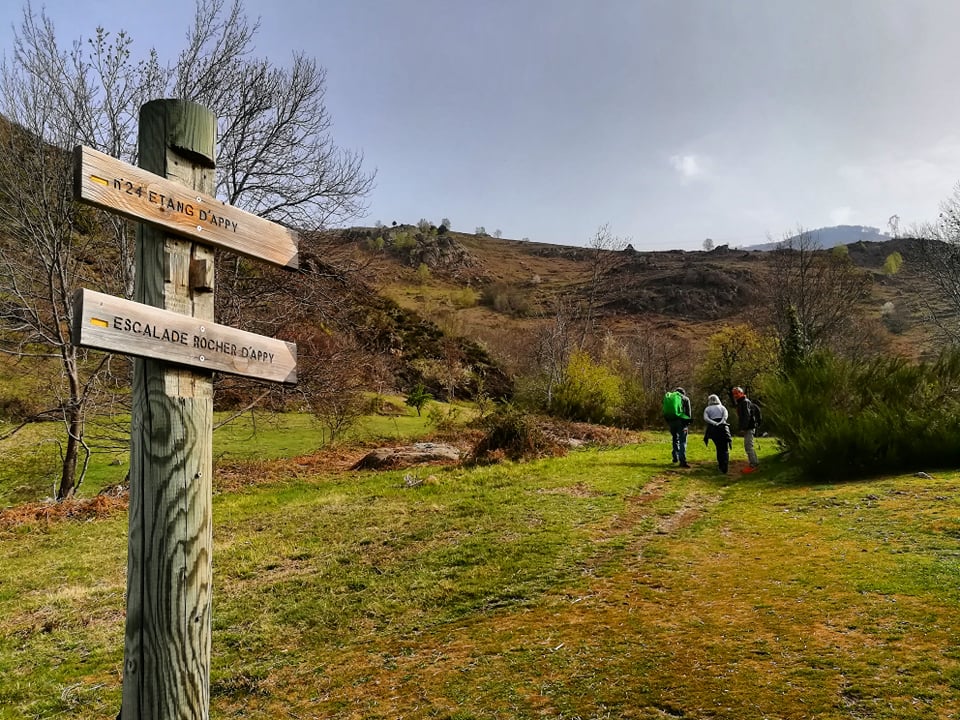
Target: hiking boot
748, 469
684, 465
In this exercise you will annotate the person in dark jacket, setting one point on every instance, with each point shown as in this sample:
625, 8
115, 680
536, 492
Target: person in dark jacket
748, 425
718, 430
678, 429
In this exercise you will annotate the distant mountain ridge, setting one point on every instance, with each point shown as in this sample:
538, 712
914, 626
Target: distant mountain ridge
829, 237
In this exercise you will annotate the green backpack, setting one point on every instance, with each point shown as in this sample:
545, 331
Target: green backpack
673, 406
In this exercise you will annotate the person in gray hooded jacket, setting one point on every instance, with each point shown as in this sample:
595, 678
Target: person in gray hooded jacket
718, 429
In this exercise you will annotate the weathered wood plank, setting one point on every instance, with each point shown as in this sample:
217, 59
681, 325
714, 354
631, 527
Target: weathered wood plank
109, 323
105, 182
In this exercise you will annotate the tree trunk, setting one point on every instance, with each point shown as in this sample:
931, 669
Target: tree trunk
73, 422
68, 474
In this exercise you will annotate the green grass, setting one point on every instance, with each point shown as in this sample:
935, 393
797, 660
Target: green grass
606, 584
32, 457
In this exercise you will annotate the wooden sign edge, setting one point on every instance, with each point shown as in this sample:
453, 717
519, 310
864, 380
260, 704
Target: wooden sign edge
84, 298
292, 263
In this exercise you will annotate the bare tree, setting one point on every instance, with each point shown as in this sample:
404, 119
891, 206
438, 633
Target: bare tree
554, 343
937, 260
335, 372
277, 159
825, 290
54, 99
604, 247
661, 362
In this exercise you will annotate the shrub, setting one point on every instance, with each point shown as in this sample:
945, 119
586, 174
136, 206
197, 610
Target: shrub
512, 433
589, 391
893, 263
894, 317
634, 410
736, 355
843, 418
404, 241
507, 299
422, 273
463, 298
443, 418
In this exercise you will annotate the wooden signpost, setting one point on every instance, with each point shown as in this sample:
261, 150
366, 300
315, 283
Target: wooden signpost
108, 183
170, 332
111, 323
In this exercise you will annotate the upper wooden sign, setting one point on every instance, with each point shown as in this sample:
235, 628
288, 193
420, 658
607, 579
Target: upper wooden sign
108, 183
110, 323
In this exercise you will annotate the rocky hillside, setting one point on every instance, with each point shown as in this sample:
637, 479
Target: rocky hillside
681, 292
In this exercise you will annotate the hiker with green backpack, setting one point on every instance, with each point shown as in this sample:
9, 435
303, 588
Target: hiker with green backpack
677, 413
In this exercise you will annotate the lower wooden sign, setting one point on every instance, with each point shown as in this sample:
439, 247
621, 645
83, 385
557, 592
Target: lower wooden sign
110, 323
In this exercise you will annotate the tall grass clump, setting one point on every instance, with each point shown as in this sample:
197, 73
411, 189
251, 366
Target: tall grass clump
845, 418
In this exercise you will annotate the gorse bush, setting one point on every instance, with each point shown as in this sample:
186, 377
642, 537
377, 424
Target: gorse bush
843, 418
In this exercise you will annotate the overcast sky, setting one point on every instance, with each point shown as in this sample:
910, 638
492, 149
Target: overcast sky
670, 120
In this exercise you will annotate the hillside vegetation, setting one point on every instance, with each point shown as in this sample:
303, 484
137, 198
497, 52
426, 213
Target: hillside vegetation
683, 292
472, 317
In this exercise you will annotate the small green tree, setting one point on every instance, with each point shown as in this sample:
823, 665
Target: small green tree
404, 241
418, 397
589, 392
795, 347
736, 355
893, 263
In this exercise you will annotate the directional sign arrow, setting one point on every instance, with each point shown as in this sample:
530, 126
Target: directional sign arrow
110, 323
110, 184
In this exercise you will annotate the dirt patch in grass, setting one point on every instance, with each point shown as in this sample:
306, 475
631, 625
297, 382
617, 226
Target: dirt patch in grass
49, 512
578, 490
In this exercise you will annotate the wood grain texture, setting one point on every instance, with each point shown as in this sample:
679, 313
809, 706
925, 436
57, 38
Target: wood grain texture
110, 184
109, 323
169, 554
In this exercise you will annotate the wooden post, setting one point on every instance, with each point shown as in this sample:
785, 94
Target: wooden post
169, 566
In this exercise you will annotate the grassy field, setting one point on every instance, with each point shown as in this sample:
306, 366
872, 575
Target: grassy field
31, 457
606, 584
